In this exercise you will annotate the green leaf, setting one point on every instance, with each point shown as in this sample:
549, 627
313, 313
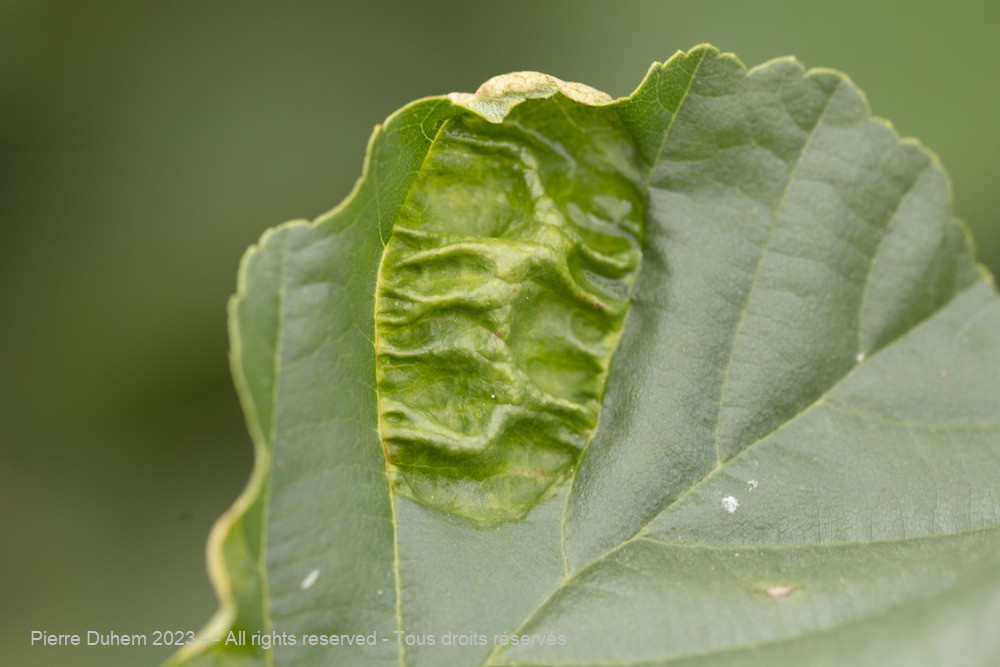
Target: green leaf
796, 391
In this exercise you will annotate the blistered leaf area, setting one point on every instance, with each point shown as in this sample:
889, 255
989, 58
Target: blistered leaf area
500, 299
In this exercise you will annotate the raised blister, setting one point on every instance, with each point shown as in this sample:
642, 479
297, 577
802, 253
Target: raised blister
501, 296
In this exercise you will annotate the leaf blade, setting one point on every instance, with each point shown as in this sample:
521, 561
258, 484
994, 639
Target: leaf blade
808, 378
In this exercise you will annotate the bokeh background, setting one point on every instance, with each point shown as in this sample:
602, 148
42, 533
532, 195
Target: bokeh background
144, 145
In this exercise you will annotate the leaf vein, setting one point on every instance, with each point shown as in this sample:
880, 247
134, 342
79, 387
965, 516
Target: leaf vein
792, 177
889, 226
265, 589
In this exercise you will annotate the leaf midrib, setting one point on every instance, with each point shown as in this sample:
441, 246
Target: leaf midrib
397, 578
265, 585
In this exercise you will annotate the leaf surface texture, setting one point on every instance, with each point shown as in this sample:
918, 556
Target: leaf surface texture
794, 373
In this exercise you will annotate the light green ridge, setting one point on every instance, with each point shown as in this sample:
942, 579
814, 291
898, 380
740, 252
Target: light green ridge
501, 296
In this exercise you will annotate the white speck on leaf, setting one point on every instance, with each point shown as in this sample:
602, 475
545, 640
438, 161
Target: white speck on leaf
779, 591
309, 579
730, 504
752, 484
860, 357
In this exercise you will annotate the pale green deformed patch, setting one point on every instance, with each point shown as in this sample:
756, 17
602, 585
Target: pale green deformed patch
501, 297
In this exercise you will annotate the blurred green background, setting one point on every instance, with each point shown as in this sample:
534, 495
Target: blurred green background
144, 145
